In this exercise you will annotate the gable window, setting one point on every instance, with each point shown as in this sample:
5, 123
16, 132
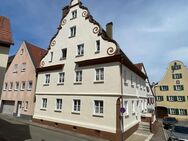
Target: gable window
16, 86
98, 46
80, 50
125, 78
23, 67
73, 31
23, 86
21, 52
99, 74
133, 106
15, 70
159, 98
44, 103
126, 108
26, 105
51, 56
76, 105
74, 14
176, 67
11, 86
61, 78
78, 76
164, 88
5, 86
64, 54
177, 76
30, 85
58, 105
47, 79
98, 107
132, 83
178, 87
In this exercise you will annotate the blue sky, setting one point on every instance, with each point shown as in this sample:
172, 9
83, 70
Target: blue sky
151, 31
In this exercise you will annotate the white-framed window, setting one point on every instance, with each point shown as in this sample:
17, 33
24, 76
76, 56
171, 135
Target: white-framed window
5, 86
178, 87
78, 78
164, 88
15, 69
23, 86
61, 79
183, 112
23, 67
126, 108
98, 107
159, 98
26, 105
76, 105
16, 86
63, 54
133, 106
73, 31
47, 79
80, 50
44, 103
58, 105
51, 56
74, 14
171, 98
99, 74
125, 77
11, 86
29, 85
98, 46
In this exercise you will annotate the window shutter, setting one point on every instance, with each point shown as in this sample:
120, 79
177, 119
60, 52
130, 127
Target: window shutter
167, 88
172, 76
177, 111
182, 88
174, 87
185, 111
184, 98
160, 88
175, 98
172, 67
167, 98
168, 111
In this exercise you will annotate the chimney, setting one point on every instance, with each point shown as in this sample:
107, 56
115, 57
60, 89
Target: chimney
109, 29
65, 10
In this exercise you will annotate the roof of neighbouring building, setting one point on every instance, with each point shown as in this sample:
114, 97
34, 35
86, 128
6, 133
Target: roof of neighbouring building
36, 53
5, 31
139, 66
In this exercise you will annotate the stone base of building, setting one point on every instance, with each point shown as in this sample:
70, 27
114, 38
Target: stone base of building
26, 117
87, 131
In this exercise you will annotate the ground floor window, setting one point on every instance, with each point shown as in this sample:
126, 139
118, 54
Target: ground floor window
175, 111
58, 104
76, 105
44, 103
98, 107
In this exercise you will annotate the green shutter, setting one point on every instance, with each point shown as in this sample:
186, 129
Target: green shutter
167, 88
160, 88
184, 98
175, 98
174, 87
177, 111
185, 111
167, 97
162, 98
172, 76
168, 110
182, 88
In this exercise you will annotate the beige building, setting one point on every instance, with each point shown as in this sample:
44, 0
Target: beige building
5, 43
85, 79
171, 92
20, 81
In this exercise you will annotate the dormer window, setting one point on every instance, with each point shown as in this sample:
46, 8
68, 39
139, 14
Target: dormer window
74, 14
51, 56
97, 49
73, 31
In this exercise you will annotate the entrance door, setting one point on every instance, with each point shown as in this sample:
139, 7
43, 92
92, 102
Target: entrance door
19, 108
161, 112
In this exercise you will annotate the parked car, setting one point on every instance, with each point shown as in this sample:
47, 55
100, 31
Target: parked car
168, 121
178, 133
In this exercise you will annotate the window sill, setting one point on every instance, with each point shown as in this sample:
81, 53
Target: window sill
77, 83
16, 90
22, 90
50, 61
97, 52
10, 90
133, 113
73, 18
98, 115
43, 109
64, 58
126, 116
75, 112
57, 111
25, 110
98, 82
22, 70
29, 89
15, 72
59, 84
45, 84
126, 84
79, 55
71, 37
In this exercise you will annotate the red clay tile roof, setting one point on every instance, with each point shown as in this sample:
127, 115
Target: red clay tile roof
36, 53
5, 31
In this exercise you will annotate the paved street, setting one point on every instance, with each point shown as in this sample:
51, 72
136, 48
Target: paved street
12, 129
158, 132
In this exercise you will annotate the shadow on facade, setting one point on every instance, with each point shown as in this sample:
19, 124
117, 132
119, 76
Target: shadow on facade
13, 132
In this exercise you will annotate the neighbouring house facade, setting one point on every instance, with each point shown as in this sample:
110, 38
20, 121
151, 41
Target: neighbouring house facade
20, 81
5, 43
171, 92
86, 83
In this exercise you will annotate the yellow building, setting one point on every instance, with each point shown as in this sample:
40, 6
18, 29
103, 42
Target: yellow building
172, 92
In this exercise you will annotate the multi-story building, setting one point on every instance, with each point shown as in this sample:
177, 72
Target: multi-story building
20, 81
5, 43
86, 83
171, 92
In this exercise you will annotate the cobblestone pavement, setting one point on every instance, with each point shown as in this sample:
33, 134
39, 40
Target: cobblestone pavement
158, 132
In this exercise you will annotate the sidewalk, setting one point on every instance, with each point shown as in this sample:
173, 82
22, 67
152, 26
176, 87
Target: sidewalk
137, 136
